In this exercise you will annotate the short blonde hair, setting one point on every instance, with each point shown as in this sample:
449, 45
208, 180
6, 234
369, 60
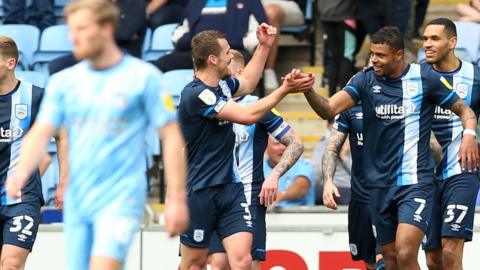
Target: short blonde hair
105, 11
8, 48
238, 57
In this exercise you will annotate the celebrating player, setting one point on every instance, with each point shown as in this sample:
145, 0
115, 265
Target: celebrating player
250, 144
205, 112
106, 102
454, 220
398, 102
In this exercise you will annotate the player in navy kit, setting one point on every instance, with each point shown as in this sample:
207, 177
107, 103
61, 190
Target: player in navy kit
19, 104
250, 144
205, 112
398, 102
454, 220
361, 237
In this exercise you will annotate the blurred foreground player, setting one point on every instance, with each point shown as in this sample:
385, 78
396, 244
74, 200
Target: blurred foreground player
105, 102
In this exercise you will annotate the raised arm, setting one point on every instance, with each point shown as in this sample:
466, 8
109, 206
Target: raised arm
33, 149
253, 71
327, 108
250, 114
468, 149
292, 153
329, 161
175, 162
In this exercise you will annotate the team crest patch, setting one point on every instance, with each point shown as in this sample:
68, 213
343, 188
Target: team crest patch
412, 89
198, 235
21, 111
208, 97
168, 102
462, 90
353, 249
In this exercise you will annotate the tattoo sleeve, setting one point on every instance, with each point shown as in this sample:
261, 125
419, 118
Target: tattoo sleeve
292, 153
469, 119
330, 156
436, 149
320, 105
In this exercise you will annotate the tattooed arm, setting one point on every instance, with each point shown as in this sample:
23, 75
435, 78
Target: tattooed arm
292, 153
436, 149
468, 149
327, 108
329, 161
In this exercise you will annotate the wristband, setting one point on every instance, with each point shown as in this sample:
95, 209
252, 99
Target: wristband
469, 131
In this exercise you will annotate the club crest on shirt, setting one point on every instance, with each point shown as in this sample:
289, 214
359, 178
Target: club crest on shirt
462, 90
21, 111
208, 97
412, 89
198, 235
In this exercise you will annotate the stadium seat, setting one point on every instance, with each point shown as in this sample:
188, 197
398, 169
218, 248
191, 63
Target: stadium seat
1, 10
146, 41
161, 42
59, 5
305, 31
26, 37
33, 77
175, 81
54, 43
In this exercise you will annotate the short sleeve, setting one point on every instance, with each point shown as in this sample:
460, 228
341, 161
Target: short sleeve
203, 102
233, 84
441, 93
275, 124
51, 109
355, 85
304, 169
159, 105
342, 122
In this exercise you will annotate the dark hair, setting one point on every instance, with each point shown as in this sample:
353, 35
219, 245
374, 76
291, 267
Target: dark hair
205, 44
390, 36
449, 26
8, 48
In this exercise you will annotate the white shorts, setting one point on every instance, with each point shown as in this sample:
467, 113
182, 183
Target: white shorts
294, 14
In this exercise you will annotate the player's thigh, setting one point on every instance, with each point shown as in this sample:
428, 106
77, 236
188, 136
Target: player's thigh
383, 214
361, 238
104, 263
78, 241
113, 233
432, 240
293, 12
203, 212
458, 206
21, 225
13, 257
235, 221
415, 205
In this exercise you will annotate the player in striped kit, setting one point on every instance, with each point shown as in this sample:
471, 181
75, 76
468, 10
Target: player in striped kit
260, 192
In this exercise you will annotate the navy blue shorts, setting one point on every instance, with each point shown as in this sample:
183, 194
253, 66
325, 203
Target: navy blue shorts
391, 206
258, 212
20, 224
221, 208
458, 205
360, 232
432, 239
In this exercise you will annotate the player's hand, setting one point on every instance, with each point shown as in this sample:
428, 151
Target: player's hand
266, 34
469, 153
297, 82
176, 215
329, 190
12, 187
59, 192
268, 194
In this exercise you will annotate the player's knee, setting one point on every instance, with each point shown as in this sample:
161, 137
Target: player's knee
242, 262
450, 252
405, 255
12, 263
434, 264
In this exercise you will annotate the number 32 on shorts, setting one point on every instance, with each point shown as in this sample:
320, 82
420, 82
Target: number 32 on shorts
17, 226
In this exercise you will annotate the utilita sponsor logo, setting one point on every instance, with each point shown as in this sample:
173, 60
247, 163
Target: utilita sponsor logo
9, 135
394, 111
442, 114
